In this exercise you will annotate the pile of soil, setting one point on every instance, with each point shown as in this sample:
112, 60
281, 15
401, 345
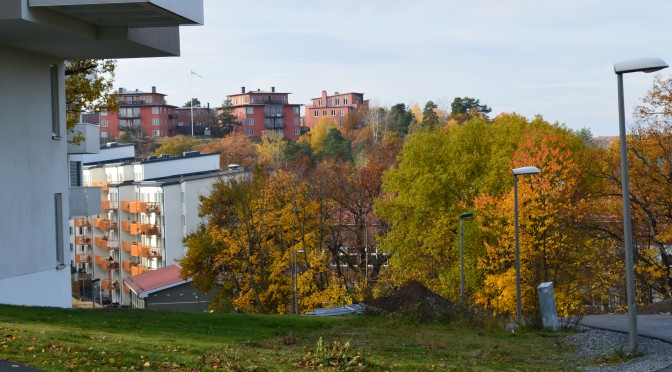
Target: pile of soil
414, 299
662, 307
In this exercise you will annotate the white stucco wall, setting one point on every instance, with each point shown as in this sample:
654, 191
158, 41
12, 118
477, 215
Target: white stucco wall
34, 167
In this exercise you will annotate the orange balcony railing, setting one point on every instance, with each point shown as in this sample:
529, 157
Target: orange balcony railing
83, 240
126, 225
148, 207
147, 229
125, 205
105, 224
137, 270
135, 228
150, 252
106, 264
109, 245
82, 222
135, 249
127, 266
133, 207
83, 258
108, 205
126, 246
109, 285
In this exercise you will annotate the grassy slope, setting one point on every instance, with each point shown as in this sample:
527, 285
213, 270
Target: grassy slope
120, 339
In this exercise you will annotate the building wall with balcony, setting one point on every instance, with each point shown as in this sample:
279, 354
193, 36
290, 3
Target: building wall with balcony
166, 167
336, 107
261, 112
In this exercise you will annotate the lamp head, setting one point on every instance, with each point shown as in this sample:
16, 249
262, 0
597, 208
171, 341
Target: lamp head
466, 216
649, 64
526, 170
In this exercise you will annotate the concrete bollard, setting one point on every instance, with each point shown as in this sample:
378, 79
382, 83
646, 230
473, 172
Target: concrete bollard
549, 316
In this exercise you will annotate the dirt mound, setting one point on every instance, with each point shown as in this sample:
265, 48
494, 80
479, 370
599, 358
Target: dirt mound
662, 307
414, 299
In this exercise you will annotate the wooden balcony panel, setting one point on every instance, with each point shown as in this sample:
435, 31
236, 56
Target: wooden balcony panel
97, 240
98, 259
105, 264
126, 225
127, 266
136, 228
109, 285
135, 249
125, 205
134, 207
126, 246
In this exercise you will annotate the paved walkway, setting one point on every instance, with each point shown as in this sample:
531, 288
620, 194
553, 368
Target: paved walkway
656, 326
7, 366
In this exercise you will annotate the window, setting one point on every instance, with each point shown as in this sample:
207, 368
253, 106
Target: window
249, 132
103, 113
319, 102
296, 110
317, 113
156, 121
58, 209
75, 173
155, 110
333, 112
297, 132
338, 101
250, 110
104, 134
103, 123
342, 113
296, 121
55, 102
345, 100
324, 112
250, 121
328, 102
156, 133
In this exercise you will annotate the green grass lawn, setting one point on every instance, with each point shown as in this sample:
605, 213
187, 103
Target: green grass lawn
122, 339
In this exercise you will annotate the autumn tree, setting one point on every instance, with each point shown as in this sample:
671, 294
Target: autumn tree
271, 150
319, 133
226, 117
336, 146
88, 87
430, 117
235, 148
178, 145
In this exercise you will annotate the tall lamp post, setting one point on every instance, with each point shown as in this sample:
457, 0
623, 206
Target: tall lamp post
463, 216
518, 172
191, 104
620, 68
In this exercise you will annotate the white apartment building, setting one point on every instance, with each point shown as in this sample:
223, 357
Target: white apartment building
148, 207
36, 37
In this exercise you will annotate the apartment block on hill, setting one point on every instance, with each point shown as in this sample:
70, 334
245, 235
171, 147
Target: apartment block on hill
148, 206
336, 107
261, 112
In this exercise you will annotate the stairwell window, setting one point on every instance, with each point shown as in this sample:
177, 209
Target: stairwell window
55, 102
58, 209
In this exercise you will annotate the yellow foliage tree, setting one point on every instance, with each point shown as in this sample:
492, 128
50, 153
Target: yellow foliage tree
319, 133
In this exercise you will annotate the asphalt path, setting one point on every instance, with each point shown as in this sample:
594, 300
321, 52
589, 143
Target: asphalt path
7, 366
657, 326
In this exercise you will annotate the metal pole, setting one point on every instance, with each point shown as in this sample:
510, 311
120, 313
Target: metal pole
627, 223
519, 309
191, 103
461, 262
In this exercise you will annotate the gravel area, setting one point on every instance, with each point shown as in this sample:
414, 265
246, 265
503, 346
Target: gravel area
594, 345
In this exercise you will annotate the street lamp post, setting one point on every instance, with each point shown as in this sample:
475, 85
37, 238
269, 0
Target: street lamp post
463, 216
517, 172
620, 68
191, 104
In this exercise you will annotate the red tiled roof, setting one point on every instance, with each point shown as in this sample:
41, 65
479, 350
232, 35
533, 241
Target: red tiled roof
165, 277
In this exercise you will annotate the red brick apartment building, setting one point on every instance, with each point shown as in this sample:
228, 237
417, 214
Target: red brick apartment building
261, 112
138, 111
336, 107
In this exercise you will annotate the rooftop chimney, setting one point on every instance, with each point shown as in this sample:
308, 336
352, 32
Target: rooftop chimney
272, 89
242, 89
153, 89
121, 90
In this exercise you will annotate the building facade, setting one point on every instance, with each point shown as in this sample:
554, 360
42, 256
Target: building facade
336, 107
261, 112
147, 208
36, 37
205, 119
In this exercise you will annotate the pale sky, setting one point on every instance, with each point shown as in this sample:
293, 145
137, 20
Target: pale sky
548, 57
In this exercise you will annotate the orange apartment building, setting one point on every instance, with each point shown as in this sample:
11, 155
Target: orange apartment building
336, 107
261, 112
145, 112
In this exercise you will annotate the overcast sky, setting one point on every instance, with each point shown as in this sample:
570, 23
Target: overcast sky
553, 58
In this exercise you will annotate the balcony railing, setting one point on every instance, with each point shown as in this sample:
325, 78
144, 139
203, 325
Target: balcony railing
150, 252
137, 270
127, 116
82, 222
126, 225
83, 240
144, 229
149, 207
109, 245
274, 115
105, 224
106, 264
126, 245
109, 285
83, 258
127, 266
135, 249
109, 205
274, 126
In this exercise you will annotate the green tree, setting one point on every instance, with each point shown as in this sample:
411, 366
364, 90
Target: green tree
193, 102
88, 87
468, 106
401, 119
336, 146
227, 119
177, 145
430, 117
